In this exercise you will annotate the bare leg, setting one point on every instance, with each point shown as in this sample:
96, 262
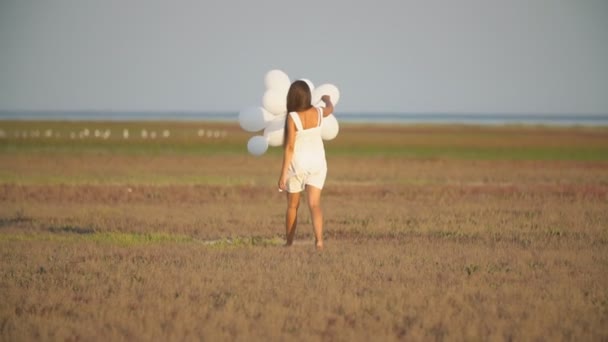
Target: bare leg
291, 217
314, 204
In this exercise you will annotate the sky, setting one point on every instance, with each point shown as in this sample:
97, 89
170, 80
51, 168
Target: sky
466, 56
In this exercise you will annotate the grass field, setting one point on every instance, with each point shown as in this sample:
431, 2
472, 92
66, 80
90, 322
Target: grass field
432, 233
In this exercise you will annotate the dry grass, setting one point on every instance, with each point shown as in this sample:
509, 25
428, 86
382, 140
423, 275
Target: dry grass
104, 246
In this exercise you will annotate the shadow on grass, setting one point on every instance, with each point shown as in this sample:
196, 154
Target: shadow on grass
6, 222
72, 230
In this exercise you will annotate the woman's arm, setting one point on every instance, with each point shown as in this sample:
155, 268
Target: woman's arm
290, 140
329, 107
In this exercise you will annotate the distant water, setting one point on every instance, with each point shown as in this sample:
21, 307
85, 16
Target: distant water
397, 118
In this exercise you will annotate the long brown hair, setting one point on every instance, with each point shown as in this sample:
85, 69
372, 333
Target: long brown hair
298, 100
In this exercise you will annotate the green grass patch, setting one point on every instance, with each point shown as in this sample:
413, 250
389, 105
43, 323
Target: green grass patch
580, 153
245, 242
79, 234
122, 147
115, 238
475, 153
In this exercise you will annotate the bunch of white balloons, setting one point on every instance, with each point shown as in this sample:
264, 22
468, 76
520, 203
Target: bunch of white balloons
272, 115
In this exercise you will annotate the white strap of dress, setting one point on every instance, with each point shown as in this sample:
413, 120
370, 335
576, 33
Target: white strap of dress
296, 120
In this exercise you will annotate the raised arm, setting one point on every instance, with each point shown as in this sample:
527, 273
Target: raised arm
290, 140
329, 107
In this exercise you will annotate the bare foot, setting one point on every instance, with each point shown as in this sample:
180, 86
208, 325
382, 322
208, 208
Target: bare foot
319, 246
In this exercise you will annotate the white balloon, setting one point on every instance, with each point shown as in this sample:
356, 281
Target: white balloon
310, 84
277, 79
254, 119
275, 131
329, 127
325, 89
275, 102
257, 145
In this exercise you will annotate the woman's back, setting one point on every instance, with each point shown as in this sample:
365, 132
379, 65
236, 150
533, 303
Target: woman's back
309, 118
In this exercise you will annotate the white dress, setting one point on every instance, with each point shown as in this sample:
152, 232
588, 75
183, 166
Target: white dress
308, 165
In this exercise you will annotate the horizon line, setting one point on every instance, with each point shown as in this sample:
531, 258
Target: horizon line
353, 113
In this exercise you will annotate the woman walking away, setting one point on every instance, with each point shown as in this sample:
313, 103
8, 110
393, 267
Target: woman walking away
304, 164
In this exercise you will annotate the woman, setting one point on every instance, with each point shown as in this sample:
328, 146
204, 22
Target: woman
304, 165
